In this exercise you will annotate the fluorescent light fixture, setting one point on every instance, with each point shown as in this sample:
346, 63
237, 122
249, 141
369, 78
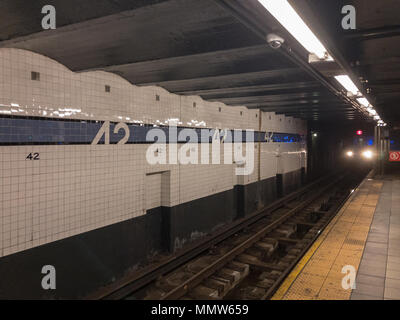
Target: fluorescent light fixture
289, 18
348, 84
364, 102
372, 111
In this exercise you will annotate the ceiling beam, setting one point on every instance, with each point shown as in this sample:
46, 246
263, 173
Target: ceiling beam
269, 98
167, 29
320, 110
374, 33
21, 19
199, 65
384, 82
230, 80
292, 104
253, 89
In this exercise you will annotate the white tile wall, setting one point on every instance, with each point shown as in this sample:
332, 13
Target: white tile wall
153, 190
72, 189
65, 94
77, 188
269, 160
291, 157
198, 181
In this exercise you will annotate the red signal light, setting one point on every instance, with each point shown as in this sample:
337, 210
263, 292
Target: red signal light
359, 133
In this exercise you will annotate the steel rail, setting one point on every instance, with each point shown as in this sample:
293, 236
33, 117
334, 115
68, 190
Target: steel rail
286, 272
144, 277
195, 280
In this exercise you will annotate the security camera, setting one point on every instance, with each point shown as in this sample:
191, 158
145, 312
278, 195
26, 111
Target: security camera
275, 41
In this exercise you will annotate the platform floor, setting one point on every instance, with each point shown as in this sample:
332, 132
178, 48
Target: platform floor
365, 237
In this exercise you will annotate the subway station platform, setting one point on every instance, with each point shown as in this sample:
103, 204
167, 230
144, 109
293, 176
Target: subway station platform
365, 237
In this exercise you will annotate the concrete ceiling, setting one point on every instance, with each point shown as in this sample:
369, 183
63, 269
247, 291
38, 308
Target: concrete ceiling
210, 48
371, 53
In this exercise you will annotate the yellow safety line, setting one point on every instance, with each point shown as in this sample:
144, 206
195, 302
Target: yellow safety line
285, 286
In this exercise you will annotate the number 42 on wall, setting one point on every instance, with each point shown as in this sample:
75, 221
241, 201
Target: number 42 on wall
105, 130
33, 156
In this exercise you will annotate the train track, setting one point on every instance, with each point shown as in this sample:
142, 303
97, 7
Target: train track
249, 259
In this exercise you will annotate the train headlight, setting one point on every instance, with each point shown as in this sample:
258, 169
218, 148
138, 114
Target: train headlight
350, 154
367, 154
